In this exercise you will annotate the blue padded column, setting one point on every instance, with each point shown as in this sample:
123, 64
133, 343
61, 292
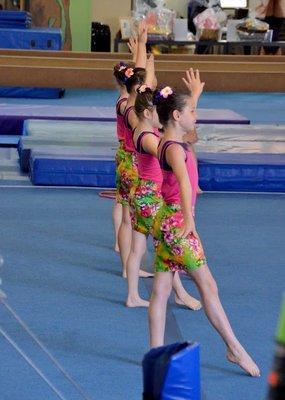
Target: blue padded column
172, 372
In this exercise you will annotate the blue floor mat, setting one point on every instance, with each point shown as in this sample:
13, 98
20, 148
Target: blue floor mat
62, 276
257, 107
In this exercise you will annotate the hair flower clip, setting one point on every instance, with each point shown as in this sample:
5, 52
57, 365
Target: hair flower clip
129, 72
142, 88
165, 92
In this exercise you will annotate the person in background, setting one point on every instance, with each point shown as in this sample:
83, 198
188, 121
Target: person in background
273, 13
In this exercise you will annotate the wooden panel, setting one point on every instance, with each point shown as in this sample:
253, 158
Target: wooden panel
126, 56
159, 65
102, 78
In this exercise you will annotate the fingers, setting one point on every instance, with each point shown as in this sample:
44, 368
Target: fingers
184, 232
187, 84
197, 75
193, 76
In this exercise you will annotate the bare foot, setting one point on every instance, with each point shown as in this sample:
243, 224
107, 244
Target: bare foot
243, 359
142, 274
145, 274
137, 302
188, 301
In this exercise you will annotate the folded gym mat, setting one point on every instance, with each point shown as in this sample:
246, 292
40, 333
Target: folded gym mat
36, 38
242, 172
97, 171
83, 149
42, 127
31, 93
12, 119
52, 144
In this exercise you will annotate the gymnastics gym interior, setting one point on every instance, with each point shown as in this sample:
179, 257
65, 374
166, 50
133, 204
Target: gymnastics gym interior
65, 331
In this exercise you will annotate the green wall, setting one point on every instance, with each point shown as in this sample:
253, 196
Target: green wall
80, 22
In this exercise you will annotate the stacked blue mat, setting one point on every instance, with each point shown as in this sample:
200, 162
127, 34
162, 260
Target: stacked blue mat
69, 153
15, 19
81, 153
15, 33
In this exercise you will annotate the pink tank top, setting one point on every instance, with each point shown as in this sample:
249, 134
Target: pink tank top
148, 165
120, 120
129, 143
170, 187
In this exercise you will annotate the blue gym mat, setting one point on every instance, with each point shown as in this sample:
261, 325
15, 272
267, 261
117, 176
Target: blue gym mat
12, 118
63, 278
33, 39
97, 170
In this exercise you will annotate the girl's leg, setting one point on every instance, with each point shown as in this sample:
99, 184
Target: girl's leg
138, 249
125, 238
157, 309
182, 297
217, 316
117, 220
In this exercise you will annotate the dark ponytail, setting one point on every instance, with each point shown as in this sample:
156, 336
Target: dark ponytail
119, 72
166, 101
137, 78
144, 100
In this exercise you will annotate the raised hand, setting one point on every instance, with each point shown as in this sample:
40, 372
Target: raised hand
133, 46
193, 83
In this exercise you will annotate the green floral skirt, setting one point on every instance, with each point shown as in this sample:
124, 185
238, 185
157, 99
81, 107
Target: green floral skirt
126, 176
146, 200
171, 252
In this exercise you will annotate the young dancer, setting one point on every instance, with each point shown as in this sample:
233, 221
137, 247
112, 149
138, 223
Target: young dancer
146, 196
128, 166
177, 243
119, 74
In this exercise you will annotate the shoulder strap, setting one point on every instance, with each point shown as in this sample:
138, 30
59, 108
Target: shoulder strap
126, 116
118, 105
139, 146
162, 157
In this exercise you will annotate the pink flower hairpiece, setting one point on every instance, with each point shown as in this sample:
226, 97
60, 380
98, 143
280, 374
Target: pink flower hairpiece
165, 92
129, 72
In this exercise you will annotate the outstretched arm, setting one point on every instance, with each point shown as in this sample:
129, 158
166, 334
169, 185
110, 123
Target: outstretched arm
133, 46
142, 39
140, 63
194, 84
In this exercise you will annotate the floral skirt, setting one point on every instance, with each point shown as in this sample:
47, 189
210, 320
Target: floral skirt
171, 252
146, 200
126, 177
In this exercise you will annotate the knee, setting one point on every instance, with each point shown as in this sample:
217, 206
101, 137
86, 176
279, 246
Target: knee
162, 291
126, 218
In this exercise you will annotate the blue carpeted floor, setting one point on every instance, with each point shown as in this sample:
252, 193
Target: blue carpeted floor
63, 278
